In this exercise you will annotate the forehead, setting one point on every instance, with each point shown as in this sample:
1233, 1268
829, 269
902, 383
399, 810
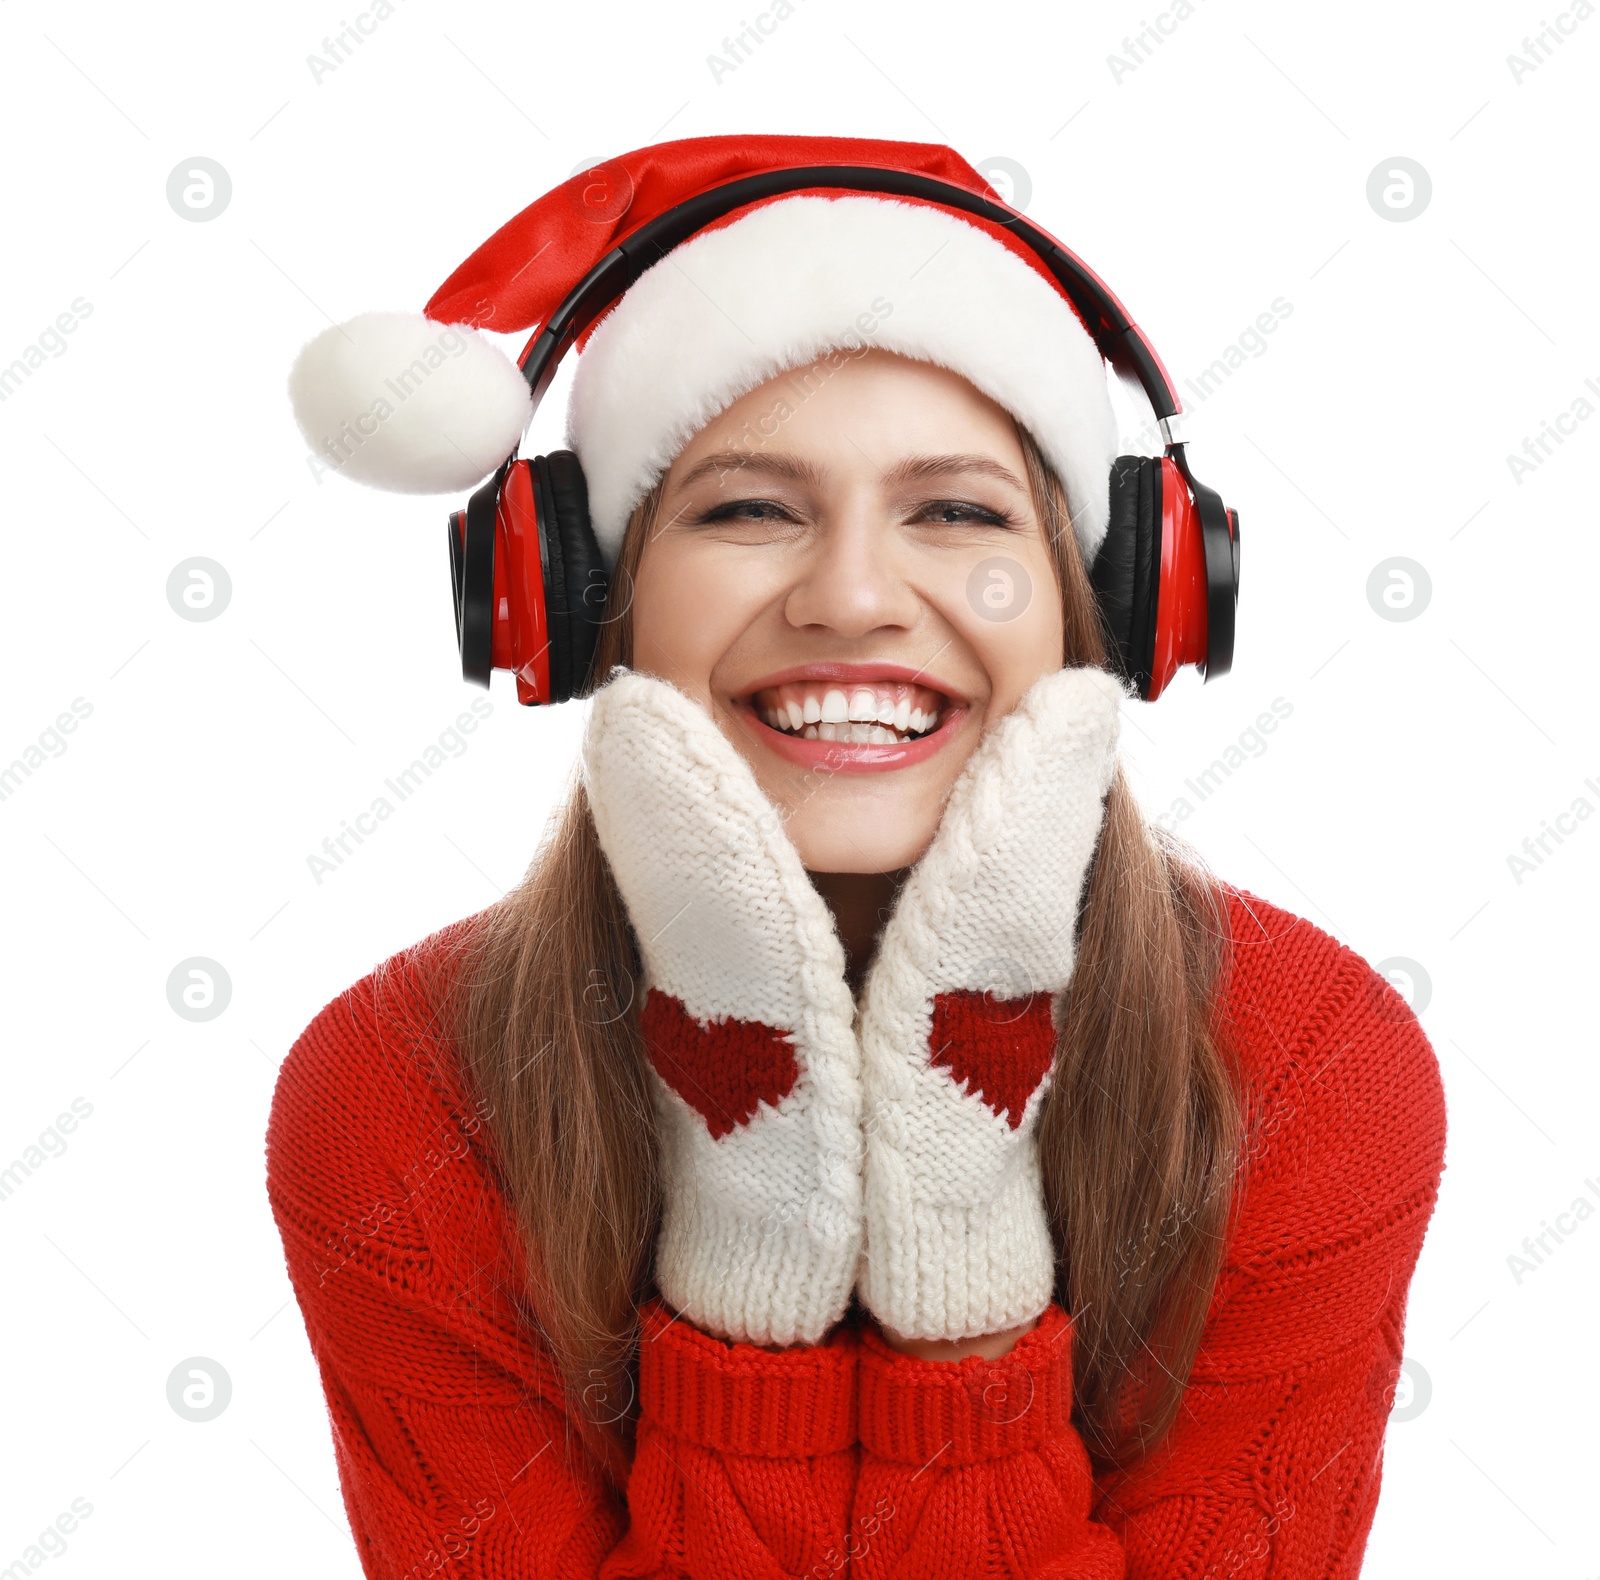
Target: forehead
864, 412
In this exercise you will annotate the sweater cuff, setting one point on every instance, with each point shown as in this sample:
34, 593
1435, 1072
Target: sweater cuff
742, 1399
913, 1411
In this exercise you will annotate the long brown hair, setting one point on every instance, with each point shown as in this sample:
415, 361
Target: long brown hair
1137, 1139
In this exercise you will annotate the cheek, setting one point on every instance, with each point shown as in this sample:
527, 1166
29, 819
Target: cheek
1006, 608
687, 612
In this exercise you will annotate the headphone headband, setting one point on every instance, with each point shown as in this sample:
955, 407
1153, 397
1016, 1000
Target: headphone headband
1120, 341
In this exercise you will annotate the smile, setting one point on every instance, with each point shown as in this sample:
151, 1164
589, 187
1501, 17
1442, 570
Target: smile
851, 717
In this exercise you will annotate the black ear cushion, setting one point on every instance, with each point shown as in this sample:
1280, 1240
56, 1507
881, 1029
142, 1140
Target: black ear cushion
575, 572
1126, 571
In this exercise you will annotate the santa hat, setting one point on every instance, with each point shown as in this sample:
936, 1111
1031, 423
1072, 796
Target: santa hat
424, 404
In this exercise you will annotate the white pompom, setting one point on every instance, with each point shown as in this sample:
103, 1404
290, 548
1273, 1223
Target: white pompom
400, 402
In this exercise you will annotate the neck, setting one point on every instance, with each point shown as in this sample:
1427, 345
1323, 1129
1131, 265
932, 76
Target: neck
860, 902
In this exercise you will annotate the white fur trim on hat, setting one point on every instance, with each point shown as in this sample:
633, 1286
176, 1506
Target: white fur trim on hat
792, 280
401, 402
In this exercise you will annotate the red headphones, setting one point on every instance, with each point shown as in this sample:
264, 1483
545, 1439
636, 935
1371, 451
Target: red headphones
530, 581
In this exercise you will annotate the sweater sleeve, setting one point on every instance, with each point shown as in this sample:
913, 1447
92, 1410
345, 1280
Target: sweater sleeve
1273, 1467
454, 1443
974, 1468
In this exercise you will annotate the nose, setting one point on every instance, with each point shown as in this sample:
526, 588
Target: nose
852, 582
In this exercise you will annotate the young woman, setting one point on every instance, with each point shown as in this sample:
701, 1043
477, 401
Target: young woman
863, 1143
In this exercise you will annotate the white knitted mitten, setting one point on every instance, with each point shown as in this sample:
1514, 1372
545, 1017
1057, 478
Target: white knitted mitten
957, 1029
747, 1018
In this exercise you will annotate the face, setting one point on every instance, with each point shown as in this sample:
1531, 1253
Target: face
849, 574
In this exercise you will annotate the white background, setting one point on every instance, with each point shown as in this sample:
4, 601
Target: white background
1227, 171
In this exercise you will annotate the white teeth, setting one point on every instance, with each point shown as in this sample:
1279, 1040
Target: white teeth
811, 710
902, 715
919, 721
863, 705
835, 710
828, 730
885, 713
796, 718
811, 732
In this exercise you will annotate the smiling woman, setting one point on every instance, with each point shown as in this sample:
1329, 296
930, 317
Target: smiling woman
814, 596
864, 1141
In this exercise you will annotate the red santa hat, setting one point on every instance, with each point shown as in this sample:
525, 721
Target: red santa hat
424, 404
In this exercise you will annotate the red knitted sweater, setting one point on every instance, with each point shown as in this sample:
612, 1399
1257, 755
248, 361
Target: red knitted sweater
848, 1458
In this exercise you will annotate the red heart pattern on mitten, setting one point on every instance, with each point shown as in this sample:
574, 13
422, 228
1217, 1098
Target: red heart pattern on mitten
723, 1069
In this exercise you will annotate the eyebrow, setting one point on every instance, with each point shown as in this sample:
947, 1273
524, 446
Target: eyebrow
914, 469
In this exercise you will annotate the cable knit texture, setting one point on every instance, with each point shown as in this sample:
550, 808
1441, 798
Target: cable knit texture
957, 1243
453, 1442
748, 1022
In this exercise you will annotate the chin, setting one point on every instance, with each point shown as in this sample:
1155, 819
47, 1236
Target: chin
831, 841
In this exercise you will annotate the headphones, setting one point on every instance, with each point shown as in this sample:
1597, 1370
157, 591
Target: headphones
530, 583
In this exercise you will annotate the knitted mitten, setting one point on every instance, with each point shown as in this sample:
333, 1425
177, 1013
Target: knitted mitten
746, 1017
957, 1032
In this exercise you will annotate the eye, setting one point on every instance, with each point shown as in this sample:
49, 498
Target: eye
746, 510
952, 512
